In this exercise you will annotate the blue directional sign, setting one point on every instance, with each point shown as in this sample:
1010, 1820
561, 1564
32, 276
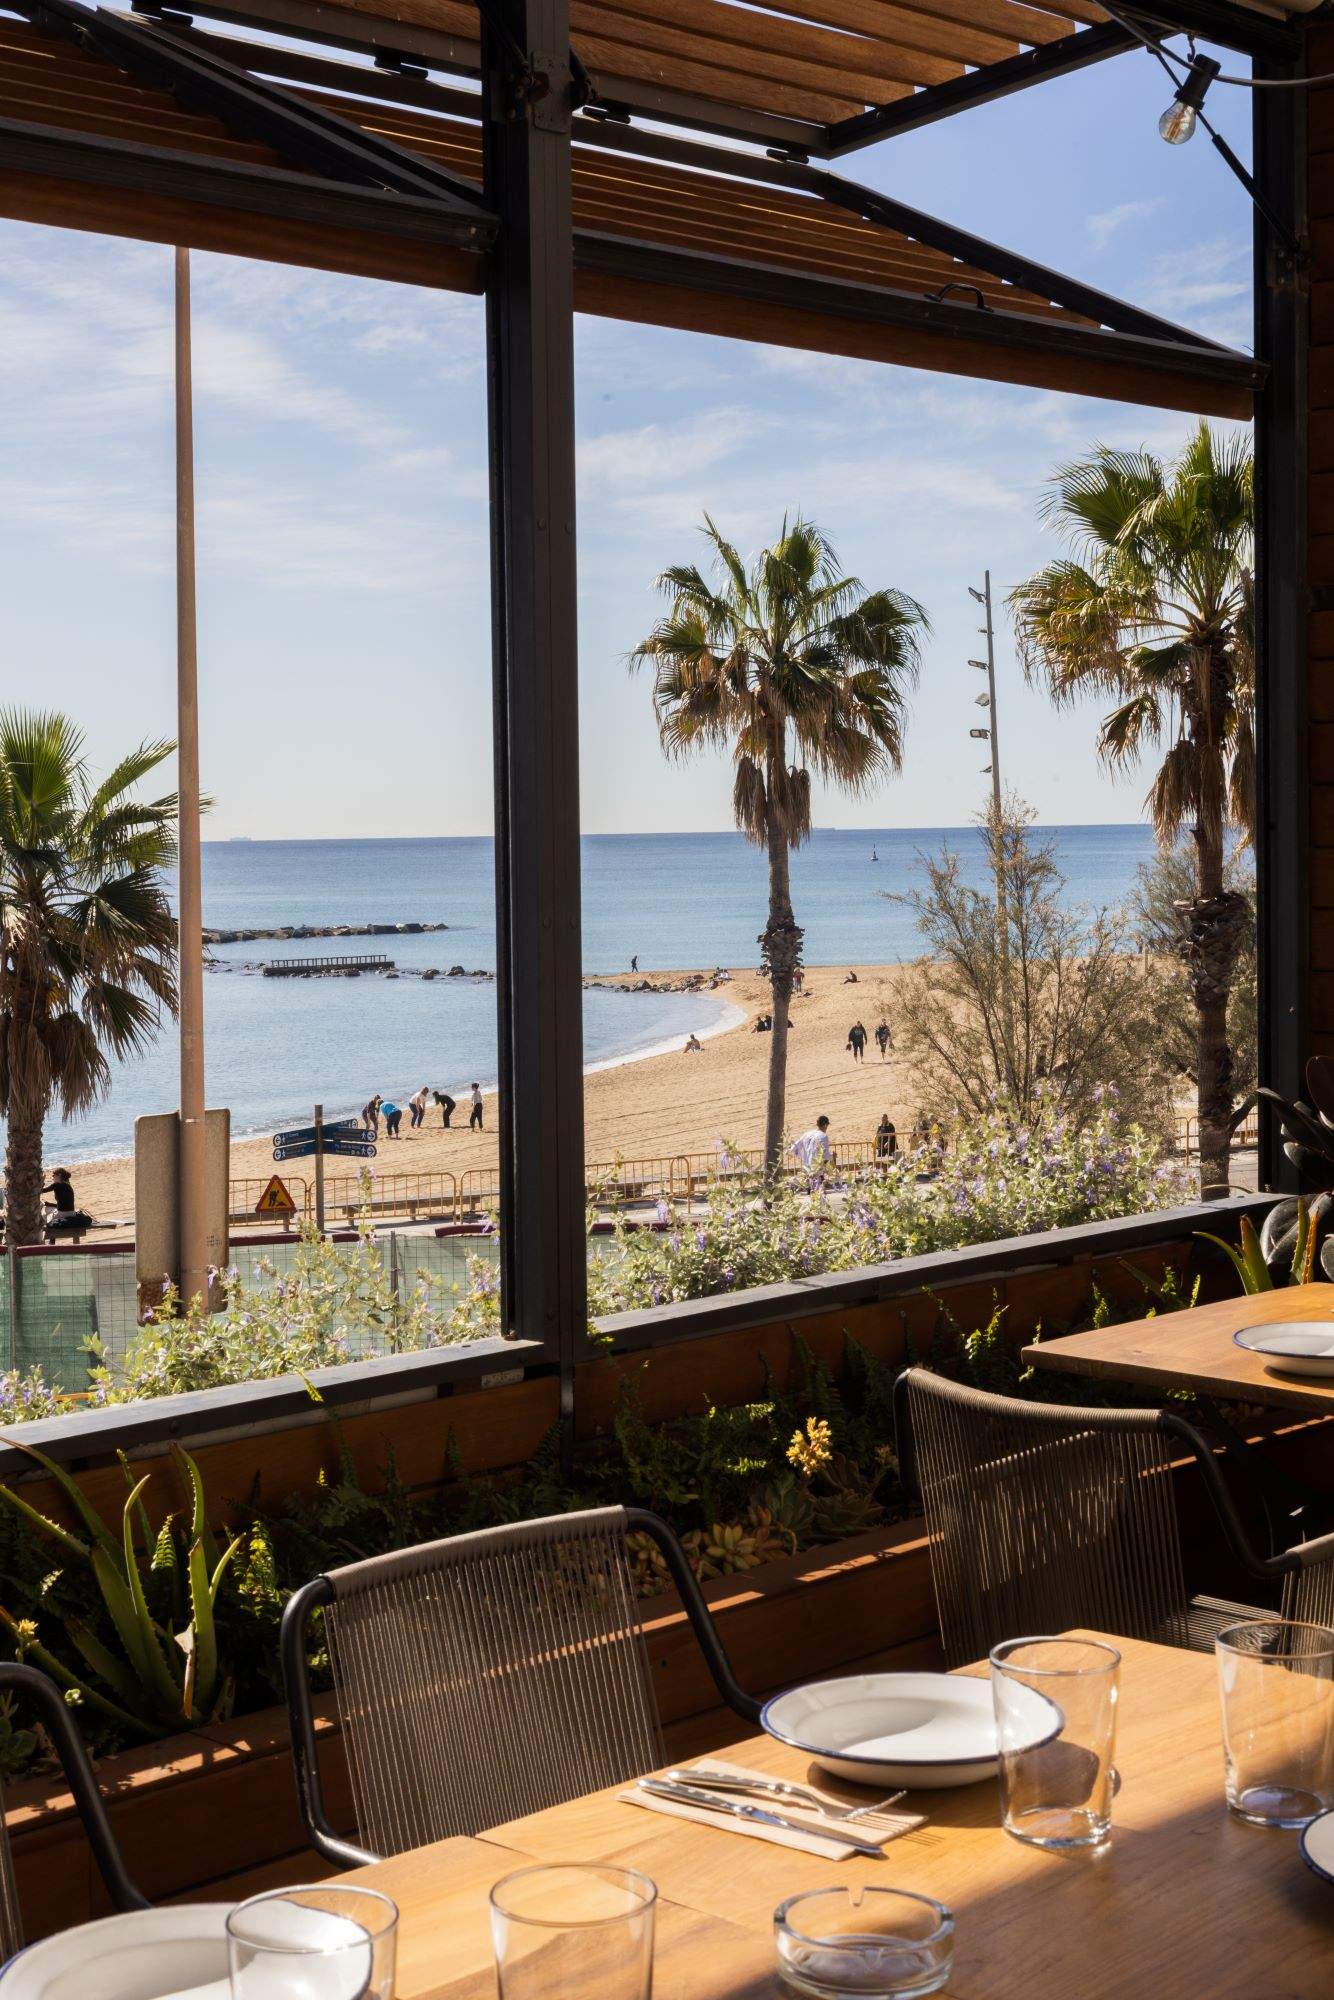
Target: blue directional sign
301, 1151
350, 1149
304, 1135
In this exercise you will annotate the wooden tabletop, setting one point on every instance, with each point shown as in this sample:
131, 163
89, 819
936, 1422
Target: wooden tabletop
1185, 1903
1196, 1349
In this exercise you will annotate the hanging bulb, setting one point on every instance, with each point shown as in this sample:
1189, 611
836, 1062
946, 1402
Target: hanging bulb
1178, 122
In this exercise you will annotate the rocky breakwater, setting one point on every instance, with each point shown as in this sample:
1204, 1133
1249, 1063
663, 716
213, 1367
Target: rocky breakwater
681, 982
298, 932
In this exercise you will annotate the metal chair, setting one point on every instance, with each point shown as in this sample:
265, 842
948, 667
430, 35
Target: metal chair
486, 1676
45, 1697
1041, 1517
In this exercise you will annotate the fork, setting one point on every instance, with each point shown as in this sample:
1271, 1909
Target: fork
780, 1788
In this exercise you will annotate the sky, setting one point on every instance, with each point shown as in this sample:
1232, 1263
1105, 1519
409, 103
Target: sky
342, 494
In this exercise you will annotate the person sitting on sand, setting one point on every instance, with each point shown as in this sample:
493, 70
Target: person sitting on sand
857, 1041
693, 1045
417, 1106
370, 1116
393, 1118
883, 1039
849, 979
763, 1024
475, 1114
67, 1218
446, 1103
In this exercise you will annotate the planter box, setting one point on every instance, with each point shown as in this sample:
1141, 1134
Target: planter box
195, 1809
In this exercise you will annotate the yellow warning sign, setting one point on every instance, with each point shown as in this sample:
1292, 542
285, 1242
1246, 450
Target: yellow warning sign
275, 1199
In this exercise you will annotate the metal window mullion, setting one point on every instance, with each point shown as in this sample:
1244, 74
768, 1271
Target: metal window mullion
530, 341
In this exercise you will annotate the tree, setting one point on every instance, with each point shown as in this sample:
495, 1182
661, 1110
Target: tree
797, 671
87, 936
1161, 890
1042, 1016
1154, 609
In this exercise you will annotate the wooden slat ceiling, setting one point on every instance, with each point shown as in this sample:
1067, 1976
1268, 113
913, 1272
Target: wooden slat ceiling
815, 60
52, 84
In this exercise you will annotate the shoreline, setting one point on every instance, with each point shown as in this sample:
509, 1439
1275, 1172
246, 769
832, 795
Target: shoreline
648, 1103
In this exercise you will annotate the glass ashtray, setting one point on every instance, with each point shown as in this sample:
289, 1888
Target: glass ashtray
877, 1944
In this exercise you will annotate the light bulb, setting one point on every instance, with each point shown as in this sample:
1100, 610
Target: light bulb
1177, 124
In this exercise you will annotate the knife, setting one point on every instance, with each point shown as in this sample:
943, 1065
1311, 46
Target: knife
696, 1795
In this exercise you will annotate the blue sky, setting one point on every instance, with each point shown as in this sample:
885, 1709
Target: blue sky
342, 490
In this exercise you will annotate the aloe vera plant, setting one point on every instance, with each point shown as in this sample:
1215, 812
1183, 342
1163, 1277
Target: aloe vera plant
1290, 1249
159, 1595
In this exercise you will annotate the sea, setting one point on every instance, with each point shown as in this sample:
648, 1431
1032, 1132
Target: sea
676, 901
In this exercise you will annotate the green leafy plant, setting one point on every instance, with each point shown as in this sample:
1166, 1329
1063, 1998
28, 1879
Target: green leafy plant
158, 1596
1284, 1252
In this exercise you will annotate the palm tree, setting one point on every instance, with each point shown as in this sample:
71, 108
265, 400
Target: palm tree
87, 937
1154, 610
796, 671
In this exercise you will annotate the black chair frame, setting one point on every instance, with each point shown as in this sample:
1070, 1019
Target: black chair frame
300, 1708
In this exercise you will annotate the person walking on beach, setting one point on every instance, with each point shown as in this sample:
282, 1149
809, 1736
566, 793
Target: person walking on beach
886, 1138
634, 964
393, 1118
447, 1105
417, 1106
857, 1041
475, 1115
883, 1039
370, 1116
812, 1150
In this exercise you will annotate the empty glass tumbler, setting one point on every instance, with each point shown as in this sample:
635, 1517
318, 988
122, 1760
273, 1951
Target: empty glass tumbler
571, 1929
326, 1942
1276, 1682
1055, 1702
863, 1943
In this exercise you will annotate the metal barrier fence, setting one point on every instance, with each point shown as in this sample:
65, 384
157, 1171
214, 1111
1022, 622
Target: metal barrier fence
1244, 1138
54, 1305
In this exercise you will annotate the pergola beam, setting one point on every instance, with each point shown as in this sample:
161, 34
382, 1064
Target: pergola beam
1244, 29
304, 135
979, 86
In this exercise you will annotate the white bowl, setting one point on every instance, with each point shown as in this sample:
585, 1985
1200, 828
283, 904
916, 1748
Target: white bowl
139, 1956
918, 1731
1317, 1846
1292, 1346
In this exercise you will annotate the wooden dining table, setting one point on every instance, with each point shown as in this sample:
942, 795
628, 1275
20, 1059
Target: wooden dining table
1185, 1903
1196, 1349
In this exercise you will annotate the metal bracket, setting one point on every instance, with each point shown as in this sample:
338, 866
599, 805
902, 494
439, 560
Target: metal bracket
549, 93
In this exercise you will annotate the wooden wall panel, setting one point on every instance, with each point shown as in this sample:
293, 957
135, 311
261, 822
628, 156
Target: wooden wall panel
1320, 510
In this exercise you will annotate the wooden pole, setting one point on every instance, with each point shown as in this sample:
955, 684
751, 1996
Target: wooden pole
319, 1168
194, 1282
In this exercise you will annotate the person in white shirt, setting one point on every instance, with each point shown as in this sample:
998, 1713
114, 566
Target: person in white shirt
813, 1148
475, 1115
417, 1106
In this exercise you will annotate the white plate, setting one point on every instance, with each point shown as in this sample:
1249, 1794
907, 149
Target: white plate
1292, 1346
140, 1956
914, 1730
1317, 1845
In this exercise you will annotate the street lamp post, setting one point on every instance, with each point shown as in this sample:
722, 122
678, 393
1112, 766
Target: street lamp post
992, 735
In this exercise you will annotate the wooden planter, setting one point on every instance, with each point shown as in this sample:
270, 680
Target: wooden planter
212, 1803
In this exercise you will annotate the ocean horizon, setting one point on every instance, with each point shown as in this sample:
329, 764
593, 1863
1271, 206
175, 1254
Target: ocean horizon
677, 901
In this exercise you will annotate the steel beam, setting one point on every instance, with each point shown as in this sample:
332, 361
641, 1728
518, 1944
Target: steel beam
979, 86
693, 270
530, 356
305, 135
1244, 29
64, 154
1281, 849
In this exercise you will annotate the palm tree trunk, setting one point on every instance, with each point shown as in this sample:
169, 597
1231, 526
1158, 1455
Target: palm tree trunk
1214, 923
23, 1181
781, 945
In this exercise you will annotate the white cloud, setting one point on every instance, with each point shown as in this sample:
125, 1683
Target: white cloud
1103, 227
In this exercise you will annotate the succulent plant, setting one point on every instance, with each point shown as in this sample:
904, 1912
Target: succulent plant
158, 1674
1308, 1129
730, 1548
789, 1510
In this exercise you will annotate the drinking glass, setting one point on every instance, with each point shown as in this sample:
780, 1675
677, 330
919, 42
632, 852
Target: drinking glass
326, 1942
1055, 1702
569, 1929
1276, 1682
871, 1943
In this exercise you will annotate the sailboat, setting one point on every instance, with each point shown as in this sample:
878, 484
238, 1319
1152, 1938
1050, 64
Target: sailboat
874, 855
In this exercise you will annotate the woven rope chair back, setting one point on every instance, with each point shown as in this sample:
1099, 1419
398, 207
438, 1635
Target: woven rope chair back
1041, 1517
489, 1676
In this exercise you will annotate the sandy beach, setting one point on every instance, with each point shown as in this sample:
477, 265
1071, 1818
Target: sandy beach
661, 1104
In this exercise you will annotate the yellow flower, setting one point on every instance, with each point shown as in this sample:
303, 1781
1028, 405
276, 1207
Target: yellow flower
812, 1448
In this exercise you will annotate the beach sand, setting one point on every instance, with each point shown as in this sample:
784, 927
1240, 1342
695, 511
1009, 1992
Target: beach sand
644, 1109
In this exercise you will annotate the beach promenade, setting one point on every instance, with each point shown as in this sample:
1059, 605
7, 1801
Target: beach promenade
657, 1105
